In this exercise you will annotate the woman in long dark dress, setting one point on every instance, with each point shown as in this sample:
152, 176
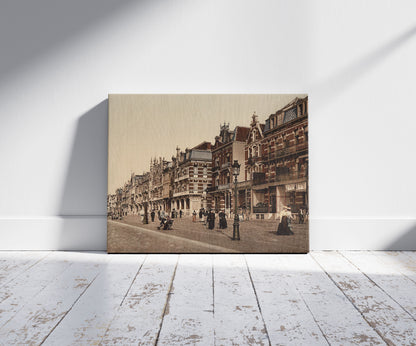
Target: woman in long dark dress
223, 221
284, 226
211, 220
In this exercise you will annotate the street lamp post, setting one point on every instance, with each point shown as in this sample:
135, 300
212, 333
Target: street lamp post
145, 218
236, 224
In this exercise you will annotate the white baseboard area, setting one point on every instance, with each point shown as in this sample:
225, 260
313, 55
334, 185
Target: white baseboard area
90, 233
362, 234
54, 233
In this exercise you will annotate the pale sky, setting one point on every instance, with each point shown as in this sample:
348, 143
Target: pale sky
145, 126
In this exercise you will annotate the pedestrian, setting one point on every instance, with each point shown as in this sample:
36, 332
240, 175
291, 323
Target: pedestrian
194, 216
205, 217
223, 221
301, 216
284, 225
173, 213
152, 215
211, 219
200, 213
180, 213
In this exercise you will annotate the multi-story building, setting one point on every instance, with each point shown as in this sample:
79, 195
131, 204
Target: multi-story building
273, 160
156, 183
167, 190
191, 172
112, 205
142, 190
228, 146
277, 161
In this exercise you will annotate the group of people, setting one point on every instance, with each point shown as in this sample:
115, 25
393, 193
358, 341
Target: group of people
208, 217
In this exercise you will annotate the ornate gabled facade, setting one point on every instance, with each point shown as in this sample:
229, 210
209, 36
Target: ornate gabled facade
277, 161
156, 183
191, 178
273, 160
228, 146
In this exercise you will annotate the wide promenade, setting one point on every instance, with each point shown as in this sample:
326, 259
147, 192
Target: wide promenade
130, 235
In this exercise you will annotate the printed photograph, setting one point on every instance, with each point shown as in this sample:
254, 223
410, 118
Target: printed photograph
208, 173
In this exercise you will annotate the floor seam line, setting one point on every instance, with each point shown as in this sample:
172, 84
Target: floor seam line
309, 309
372, 281
257, 300
349, 299
122, 301
167, 301
68, 311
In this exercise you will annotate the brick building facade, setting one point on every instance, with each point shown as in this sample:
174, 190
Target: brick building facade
191, 178
277, 161
229, 146
273, 172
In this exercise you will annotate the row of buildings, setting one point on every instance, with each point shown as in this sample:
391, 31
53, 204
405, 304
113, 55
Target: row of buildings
273, 172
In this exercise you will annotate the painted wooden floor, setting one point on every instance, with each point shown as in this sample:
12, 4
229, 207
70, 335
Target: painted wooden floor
336, 298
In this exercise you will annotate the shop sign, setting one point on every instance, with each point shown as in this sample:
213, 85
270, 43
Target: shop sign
301, 186
290, 187
296, 187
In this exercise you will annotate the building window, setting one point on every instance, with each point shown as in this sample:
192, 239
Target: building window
301, 109
290, 114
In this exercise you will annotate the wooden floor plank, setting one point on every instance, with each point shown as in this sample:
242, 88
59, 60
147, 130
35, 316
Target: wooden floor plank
388, 277
287, 317
32, 324
238, 320
139, 318
15, 294
14, 263
88, 320
189, 317
338, 319
401, 261
390, 321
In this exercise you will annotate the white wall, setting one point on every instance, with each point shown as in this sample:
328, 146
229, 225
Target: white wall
60, 59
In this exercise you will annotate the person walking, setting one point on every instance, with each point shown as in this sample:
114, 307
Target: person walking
284, 225
152, 215
211, 219
223, 221
180, 213
194, 216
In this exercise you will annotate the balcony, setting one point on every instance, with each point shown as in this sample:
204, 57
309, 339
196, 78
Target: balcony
260, 208
259, 178
181, 177
225, 165
224, 186
212, 189
253, 159
295, 149
182, 193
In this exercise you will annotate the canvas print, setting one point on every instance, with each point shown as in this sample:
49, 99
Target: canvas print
208, 173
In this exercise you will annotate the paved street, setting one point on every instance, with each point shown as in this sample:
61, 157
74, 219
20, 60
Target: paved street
130, 235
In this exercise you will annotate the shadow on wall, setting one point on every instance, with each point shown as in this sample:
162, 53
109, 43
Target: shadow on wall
336, 84
83, 203
407, 242
25, 27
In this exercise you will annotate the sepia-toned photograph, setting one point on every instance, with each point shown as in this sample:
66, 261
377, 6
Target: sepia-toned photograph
208, 173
